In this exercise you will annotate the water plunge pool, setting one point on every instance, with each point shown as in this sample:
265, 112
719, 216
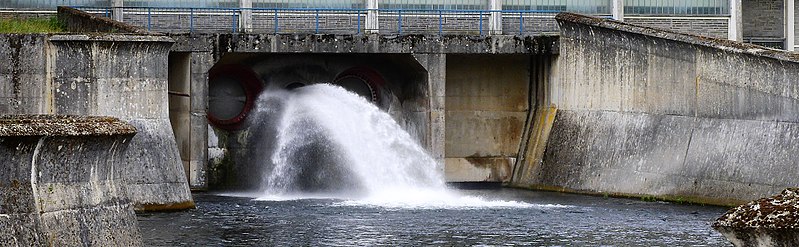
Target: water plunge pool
540, 219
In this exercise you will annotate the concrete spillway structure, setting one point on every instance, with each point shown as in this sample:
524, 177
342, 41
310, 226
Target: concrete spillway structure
606, 107
62, 182
124, 76
488, 92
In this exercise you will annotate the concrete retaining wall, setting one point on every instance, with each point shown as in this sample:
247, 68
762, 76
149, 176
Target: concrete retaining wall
60, 183
649, 112
116, 75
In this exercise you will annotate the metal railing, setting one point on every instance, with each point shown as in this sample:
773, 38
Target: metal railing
323, 20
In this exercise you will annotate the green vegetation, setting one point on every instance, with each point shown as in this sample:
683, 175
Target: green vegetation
51, 25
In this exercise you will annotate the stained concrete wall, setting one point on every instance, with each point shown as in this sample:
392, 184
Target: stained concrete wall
649, 112
486, 109
116, 75
59, 184
23, 73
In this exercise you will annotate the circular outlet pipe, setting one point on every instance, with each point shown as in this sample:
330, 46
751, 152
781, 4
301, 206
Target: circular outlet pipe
232, 91
363, 81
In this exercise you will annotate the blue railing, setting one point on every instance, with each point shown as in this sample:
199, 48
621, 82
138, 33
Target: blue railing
328, 20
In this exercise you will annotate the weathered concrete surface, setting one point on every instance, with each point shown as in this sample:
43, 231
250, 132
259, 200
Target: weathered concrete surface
116, 75
126, 77
645, 111
60, 183
772, 221
486, 109
23, 73
539, 122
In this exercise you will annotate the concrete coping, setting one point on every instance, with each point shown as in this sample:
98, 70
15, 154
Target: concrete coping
716, 43
111, 37
777, 212
63, 125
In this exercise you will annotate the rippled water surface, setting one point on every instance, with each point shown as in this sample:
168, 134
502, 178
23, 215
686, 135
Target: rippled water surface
538, 219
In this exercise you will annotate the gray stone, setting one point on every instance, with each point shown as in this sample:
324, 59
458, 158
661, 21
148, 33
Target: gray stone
765, 222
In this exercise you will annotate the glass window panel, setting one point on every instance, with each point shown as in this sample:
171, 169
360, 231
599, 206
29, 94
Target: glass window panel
435, 5
581, 6
676, 7
51, 4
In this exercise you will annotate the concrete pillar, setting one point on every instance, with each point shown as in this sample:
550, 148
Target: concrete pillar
436, 66
790, 32
372, 19
617, 10
116, 9
735, 25
495, 23
245, 17
201, 63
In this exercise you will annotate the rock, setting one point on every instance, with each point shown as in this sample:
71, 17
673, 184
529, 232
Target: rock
772, 221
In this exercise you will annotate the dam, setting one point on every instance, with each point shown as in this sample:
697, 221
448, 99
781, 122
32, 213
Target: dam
579, 104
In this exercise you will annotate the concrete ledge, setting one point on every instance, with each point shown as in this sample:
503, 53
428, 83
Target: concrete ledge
110, 38
59, 182
61, 125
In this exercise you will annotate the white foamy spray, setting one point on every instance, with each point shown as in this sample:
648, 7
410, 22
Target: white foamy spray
331, 143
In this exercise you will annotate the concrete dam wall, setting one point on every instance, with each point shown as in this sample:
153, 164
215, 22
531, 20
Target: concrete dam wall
647, 112
609, 108
61, 182
124, 76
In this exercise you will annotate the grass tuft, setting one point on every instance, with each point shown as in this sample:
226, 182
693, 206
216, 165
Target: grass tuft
50, 25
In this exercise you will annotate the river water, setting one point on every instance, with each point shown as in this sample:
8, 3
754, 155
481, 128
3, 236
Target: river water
536, 219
